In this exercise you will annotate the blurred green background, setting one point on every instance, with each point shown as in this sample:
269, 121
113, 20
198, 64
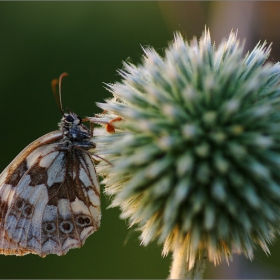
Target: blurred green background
89, 40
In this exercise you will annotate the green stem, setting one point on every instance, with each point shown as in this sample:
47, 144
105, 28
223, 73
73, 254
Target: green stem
180, 267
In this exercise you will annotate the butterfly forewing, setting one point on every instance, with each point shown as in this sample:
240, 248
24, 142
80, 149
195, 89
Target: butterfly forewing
49, 194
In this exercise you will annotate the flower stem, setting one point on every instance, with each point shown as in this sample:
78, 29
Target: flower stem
180, 266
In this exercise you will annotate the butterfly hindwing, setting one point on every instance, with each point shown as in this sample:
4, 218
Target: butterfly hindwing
14, 198
49, 199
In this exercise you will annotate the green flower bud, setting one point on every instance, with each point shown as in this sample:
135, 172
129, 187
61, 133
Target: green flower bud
196, 156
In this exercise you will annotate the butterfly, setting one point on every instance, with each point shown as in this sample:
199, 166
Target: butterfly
50, 194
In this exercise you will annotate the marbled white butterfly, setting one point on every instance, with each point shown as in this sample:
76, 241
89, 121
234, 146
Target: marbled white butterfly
50, 194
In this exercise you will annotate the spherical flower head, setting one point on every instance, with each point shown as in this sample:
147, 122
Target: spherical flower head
196, 155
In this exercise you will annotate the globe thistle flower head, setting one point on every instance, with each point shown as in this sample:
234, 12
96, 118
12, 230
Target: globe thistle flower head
196, 155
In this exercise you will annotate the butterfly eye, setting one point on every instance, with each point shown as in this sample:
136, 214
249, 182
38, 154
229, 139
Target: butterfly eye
69, 118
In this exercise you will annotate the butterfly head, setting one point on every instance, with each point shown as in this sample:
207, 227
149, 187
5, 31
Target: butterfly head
71, 124
70, 119
73, 129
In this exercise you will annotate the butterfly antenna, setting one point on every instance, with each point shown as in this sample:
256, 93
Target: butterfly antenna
58, 95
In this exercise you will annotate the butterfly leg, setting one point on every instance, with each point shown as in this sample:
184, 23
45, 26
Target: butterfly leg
108, 125
91, 124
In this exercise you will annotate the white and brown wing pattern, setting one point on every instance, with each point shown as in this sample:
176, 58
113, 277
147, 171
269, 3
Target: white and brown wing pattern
49, 194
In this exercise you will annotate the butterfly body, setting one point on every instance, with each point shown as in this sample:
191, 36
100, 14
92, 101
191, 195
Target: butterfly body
50, 194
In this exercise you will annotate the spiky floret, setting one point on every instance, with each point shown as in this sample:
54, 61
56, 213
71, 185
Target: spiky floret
197, 155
